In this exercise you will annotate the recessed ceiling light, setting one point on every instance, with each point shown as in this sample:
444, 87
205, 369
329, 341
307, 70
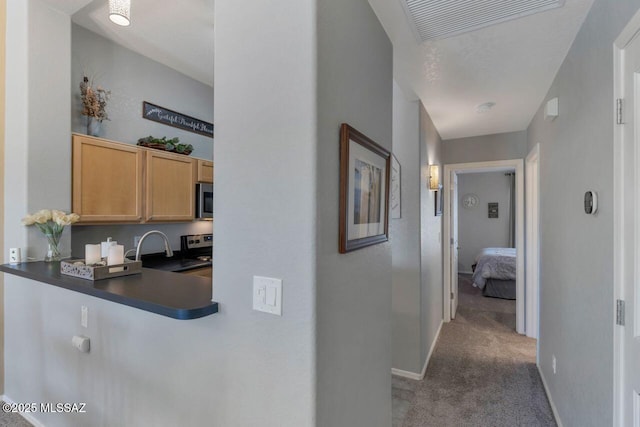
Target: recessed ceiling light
485, 108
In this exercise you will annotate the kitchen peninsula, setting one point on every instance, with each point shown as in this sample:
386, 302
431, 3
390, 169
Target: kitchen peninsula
169, 294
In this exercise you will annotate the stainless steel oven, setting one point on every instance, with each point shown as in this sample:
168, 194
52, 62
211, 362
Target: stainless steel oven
204, 201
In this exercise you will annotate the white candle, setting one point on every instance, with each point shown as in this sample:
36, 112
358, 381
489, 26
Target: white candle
92, 254
116, 255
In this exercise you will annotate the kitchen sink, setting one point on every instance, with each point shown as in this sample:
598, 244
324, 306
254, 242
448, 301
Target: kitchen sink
175, 263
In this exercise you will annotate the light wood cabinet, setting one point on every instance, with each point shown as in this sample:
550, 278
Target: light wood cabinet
169, 187
107, 180
205, 171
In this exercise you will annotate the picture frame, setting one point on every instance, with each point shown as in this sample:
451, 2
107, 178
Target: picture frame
439, 201
396, 189
365, 170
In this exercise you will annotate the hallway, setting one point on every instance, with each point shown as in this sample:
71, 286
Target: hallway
481, 373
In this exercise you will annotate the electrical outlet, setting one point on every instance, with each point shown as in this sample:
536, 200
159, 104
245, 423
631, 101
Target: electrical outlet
84, 316
136, 240
553, 363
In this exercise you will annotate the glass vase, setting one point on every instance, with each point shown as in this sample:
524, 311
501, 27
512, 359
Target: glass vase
53, 248
93, 126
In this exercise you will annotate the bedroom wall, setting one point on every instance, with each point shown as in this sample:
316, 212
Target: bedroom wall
502, 146
576, 275
475, 229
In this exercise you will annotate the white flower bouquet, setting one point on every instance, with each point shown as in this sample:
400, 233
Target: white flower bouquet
51, 222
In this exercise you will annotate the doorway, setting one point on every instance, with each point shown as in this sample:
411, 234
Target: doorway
626, 227
450, 270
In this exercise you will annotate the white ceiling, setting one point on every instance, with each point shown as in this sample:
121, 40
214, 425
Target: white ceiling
512, 63
178, 34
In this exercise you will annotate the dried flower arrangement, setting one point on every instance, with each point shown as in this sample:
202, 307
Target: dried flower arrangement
94, 101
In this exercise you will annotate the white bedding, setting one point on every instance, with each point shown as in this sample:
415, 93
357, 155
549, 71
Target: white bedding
494, 263
497, 251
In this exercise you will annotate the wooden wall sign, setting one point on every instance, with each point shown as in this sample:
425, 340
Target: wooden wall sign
173, 118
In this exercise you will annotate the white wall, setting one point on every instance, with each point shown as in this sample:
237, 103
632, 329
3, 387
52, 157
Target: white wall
353, 291
475, 229
576, 281
501, 146
133, 78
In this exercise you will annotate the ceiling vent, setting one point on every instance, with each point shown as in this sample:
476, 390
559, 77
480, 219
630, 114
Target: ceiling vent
438, 19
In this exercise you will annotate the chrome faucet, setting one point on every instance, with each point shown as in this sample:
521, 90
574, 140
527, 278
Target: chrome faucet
167, 247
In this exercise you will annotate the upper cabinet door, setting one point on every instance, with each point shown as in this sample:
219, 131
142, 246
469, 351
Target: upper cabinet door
107, 180
205, 171
170, 187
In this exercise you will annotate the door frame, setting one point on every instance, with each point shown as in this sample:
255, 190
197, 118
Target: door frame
621, 241
492, 166
532, 270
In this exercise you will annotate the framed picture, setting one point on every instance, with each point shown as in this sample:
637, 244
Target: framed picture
364, 191
439, 201
493, 210
396, 198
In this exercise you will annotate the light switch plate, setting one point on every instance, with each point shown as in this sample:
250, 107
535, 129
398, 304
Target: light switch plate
267, 295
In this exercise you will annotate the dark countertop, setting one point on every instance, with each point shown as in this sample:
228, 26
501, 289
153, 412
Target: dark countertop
180, 296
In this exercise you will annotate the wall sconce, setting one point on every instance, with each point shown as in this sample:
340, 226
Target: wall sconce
120, 12
434, 177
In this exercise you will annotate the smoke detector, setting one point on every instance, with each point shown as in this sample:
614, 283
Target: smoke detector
485, 108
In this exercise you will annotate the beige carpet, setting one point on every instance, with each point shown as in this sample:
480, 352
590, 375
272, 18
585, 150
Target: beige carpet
12, 420
482, 373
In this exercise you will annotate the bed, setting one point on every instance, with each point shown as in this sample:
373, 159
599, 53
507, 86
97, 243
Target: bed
495, 272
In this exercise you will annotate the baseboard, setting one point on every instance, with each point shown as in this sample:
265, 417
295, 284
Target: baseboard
420, 376
406, 374
27, 416
465, 272
546, 390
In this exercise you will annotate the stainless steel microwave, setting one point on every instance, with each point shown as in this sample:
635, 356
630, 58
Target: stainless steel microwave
204, 201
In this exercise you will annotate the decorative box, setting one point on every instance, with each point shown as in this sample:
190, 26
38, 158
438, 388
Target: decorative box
90, 272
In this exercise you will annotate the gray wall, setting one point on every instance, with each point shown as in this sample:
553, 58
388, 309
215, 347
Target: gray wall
405, 242
501, 146
576, 282
475, 229
417, 257
430, 236
353, 290
133, 78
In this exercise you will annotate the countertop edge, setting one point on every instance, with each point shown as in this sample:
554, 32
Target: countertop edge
33, 271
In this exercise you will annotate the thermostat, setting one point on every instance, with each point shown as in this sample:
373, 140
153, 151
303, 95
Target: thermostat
590, 202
